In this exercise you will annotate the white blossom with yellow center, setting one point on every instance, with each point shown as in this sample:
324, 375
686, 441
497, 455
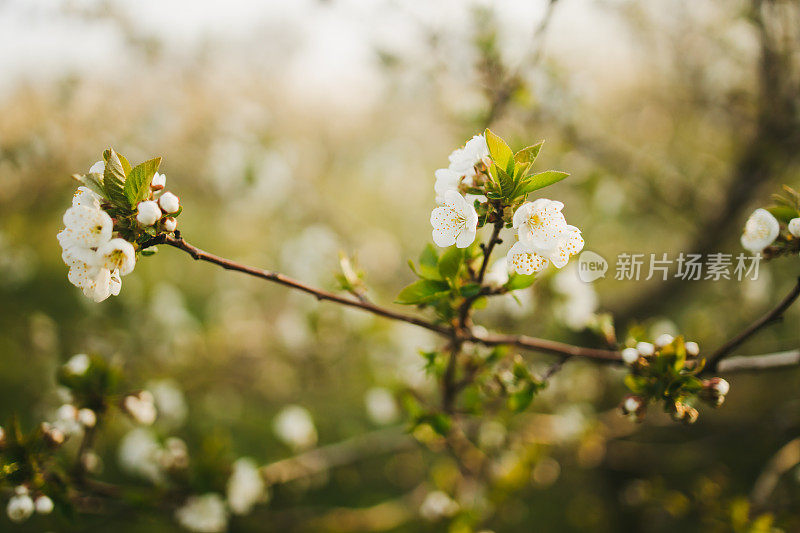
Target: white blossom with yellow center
455, 222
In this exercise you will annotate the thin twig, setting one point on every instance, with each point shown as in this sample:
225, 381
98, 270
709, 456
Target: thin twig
773, 316
744, 363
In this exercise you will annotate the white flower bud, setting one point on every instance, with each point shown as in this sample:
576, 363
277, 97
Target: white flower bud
158, 182
760, 230
67, 412
630, 355
20, 490
148, 213
169, 202
141, 407
692, 348
20, 508
794, 227
87, 417
631, 404
44, 505
645, 348
78, 364
722, 386
170, 224
663, 340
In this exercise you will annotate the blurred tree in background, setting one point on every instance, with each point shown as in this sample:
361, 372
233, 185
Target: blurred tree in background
675, 121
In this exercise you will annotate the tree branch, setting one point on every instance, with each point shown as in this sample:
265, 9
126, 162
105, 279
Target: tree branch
772, 316
744, 363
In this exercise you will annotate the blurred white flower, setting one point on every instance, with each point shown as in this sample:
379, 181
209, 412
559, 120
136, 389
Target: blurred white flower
630, 355
245, 486
169, 401
663, 340
203, 514
169, 202
147, 213
295, 427
692, 348
497, 275
438, 505
580, 301
464, 160
87, 417
141, 407
455, 222
645, 348
381, 406
174, 454
78, 364
760, 230
20, 508
138, 455
43, 504
66, 420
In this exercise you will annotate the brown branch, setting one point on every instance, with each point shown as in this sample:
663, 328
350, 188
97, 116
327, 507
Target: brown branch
773, 316
547, 346
744, 363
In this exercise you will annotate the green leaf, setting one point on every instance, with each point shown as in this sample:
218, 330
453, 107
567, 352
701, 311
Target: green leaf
429, 263
507, 185
126, 167
784, 213
114, 179
520, 281
527, 156
93, 181
635, 384
422, 291
470, 290
540, 180
450, 262
137, 185
501, 154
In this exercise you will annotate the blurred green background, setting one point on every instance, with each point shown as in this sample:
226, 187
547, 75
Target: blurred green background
293, 131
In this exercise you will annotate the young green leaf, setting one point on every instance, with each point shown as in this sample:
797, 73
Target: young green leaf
520, 281
506, 183
784, 213
501, 154
450, 261
114, 179
527, 156
422, 291
126, 166
429, 263
137, 186
538, 181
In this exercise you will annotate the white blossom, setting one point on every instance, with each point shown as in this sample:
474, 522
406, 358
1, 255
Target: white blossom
524, 261
438, 505
170, 224
141, 407
158, 182
138, 454
464, 160
580, 302
794, 227
760, 230
497, 275
67, 420
631, 404
722, 386
85, 227
117, 255
446, 180
542, 229
630, 355
295, 427
147, 213
455, 222
663, 340
381, 406
174, 454
692, 348
645, 348
20, 508
170, 401
98, 168
245, 486
85, 197
87, 417
169, 202
43, 504
78, 364
203, 514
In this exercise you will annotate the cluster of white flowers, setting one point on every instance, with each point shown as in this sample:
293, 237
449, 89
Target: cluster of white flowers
96, 259
646, 349
141, 455
295, 427
466, 164
203, 514
544, 237
21, 505
762, 228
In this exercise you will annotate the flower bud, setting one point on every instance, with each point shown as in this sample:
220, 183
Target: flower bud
720, 385
158, 182
78, 364
645, 348
692, 348
20, 508
632, 405
148, 213
794, 227
52, 435
630, 355
691, 415
87, 417
663, 340
43, 504
141, 407
169, 202
170, 224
